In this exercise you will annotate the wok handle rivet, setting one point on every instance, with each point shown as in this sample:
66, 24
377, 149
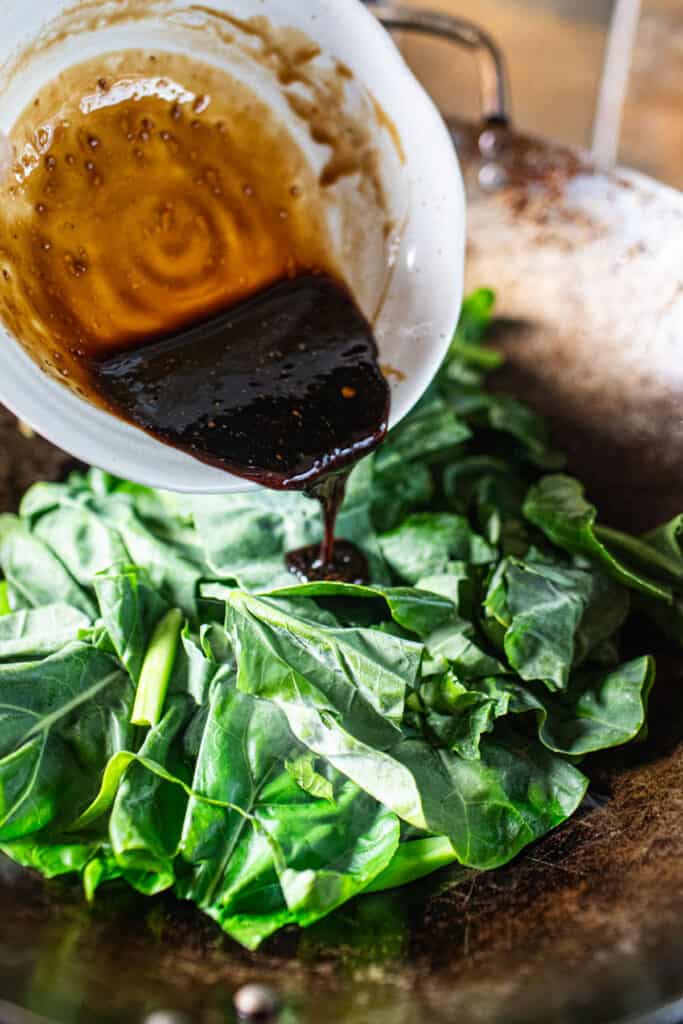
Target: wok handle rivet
257, 1002
492, 141
492, 176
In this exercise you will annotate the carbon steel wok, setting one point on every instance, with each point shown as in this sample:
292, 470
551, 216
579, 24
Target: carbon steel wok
587, 925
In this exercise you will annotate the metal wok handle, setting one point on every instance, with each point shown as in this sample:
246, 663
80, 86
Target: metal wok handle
495, 91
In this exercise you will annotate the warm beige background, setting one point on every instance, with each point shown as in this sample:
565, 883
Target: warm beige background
653, 127
555, 62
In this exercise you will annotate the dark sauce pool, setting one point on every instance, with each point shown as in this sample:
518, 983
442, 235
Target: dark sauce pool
283, 389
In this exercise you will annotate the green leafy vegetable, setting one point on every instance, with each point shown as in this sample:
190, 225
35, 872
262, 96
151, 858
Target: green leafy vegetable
432, 430
666, 540
289, 856
601, 710
34, 632
558, 507
178, 713
555, 617
304, 773
35, 575
352, 673
62, 718
129, 607
416, 609
426, 544
413, 860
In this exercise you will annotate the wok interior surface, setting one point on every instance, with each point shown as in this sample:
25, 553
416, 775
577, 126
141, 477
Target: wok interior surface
587, 925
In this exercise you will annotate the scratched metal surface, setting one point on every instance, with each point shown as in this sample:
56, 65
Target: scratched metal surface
587, 926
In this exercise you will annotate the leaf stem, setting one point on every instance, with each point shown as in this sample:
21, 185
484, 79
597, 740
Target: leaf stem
156, 670
4, 598
642, 552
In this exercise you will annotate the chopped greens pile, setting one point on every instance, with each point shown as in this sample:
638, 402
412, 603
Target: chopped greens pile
178, 713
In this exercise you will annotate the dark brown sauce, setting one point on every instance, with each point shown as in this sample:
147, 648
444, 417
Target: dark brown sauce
283, 389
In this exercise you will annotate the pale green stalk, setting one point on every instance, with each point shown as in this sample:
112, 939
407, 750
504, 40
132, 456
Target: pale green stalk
156, 670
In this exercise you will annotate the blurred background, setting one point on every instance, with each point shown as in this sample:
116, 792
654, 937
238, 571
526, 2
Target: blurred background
557, 52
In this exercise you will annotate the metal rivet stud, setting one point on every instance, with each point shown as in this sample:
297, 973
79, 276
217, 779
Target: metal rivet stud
257, 1002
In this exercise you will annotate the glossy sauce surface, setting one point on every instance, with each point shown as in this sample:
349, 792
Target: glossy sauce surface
283, 389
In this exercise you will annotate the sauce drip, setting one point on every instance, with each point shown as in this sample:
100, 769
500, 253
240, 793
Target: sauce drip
335, 560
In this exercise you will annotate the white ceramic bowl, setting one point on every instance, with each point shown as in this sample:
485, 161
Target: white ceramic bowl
419, 273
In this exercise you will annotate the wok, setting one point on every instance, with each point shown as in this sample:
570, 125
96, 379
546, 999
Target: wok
587, 925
